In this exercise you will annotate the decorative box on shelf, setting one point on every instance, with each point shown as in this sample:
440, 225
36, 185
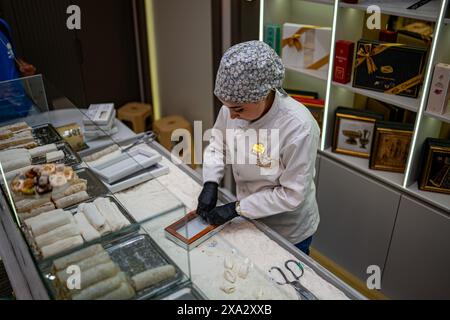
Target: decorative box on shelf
389, 111
272, 36
440, 89
436, 166
343, 61
391, 68
305, 46
354, 131
391, 146
311, 101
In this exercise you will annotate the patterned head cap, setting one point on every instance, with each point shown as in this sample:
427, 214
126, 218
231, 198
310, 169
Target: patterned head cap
247, 73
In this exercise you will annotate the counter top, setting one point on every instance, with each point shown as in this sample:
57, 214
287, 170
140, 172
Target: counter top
245, 242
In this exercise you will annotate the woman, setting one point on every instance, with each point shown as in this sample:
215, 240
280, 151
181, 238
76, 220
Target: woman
280, 190
13, 100
11, 67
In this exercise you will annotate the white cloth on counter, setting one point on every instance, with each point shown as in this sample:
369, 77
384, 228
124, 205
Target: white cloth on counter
240, 241
283, 197
176, 187
148, 200
178, 183
181, 185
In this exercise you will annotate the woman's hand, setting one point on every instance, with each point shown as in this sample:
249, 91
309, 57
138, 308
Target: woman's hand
223, 214
208, 199
26, 69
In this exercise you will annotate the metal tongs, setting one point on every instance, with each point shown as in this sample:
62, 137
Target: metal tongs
145, 137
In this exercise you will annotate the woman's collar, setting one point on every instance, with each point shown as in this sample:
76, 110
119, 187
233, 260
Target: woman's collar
270, 114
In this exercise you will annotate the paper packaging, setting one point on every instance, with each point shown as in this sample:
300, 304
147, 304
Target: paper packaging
99, 114
95, 127
73, 135
391, 68
343, 62
272, 36
305, 46
440, 89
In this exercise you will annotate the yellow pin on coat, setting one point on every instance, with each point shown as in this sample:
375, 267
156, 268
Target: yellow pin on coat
259, 149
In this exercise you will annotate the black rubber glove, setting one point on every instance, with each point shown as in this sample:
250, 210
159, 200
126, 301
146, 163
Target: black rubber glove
208, 199
223, 214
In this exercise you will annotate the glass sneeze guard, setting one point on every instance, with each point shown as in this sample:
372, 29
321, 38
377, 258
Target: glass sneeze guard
66, 211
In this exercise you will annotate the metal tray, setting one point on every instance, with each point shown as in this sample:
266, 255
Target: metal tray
133, 254
126, 164
124, 231
95, 187
138, 253
46, 134
133, 227
142, 176
71, 158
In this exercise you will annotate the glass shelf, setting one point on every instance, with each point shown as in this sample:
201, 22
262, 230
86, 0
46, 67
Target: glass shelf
330, 2
410, 104
428, 12
318, 74
441, 117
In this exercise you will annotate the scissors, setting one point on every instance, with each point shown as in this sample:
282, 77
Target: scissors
302, 292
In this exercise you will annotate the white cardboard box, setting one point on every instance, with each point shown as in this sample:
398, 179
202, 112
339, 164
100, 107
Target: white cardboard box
440, 89
315, 46
100, 114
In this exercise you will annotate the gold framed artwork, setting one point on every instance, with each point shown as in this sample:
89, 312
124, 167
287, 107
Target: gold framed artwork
354, 131
391, 146
317, 113
436, 167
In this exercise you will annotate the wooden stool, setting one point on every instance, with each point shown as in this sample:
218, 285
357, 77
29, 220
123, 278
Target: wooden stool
164, 128
136, 115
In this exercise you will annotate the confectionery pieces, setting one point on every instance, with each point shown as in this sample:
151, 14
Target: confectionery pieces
228, 288
102, 288
43, 150
229, 276
66, 231
98, 273
124, 292
152, 277
72, 199
60, 246
88, 232
63, 263
55, 156
40, 226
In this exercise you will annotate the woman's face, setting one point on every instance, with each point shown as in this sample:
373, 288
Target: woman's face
249, 111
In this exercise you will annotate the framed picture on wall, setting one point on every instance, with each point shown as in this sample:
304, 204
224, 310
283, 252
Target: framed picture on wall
391, 146
354, 131
436, 166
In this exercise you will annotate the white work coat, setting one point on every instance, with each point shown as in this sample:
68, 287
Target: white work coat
284, 195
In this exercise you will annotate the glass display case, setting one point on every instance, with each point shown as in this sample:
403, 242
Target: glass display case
92, 219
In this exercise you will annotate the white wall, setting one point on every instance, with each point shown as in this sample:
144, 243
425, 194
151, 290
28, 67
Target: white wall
183, 35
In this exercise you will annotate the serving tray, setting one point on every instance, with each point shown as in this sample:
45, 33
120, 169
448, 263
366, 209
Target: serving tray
71, 158
126, 164
191, 231
139, 177
46, 134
